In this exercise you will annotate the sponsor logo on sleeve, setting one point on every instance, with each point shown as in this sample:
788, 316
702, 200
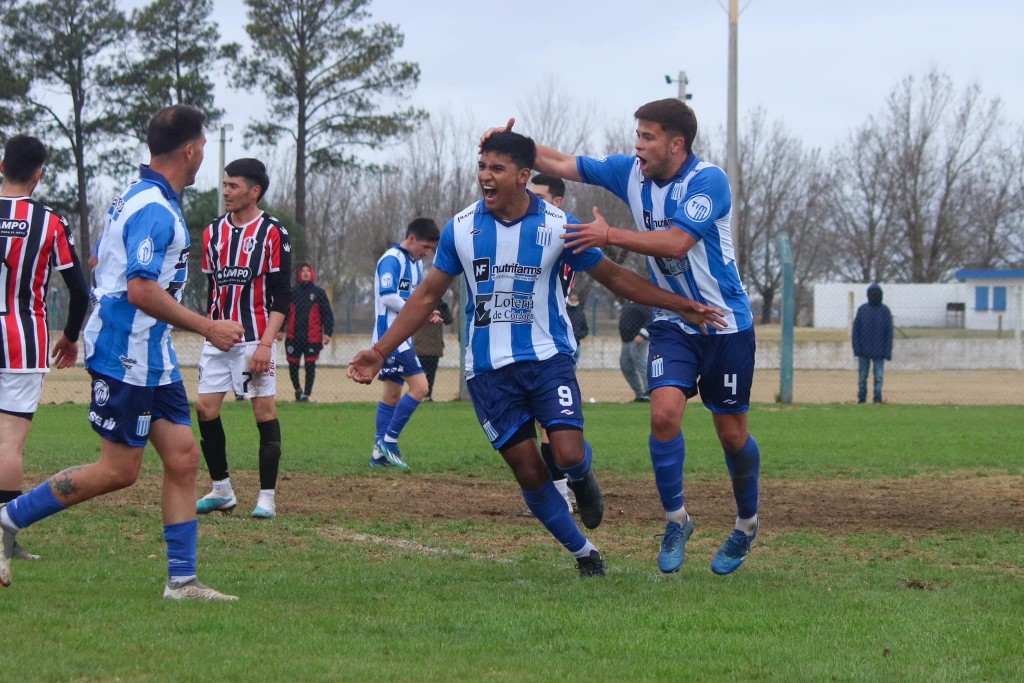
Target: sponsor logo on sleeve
387, 281
698, 208
144, 254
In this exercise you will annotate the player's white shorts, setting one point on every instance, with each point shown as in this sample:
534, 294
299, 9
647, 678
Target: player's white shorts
20, 391
222, 371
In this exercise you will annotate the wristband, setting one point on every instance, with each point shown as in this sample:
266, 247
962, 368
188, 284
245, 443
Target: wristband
379, 352
608, 237
269, 346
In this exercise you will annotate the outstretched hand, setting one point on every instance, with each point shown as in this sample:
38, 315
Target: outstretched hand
507, 128
579, 237
365, 366
701, 316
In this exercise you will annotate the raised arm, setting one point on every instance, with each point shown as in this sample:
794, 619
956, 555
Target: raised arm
549, 160
423, 302
628, 284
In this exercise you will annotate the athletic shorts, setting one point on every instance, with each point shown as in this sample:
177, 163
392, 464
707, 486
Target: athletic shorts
296, 349
223, 371
401, 364
719, 366
544, 390
20, 392
123, 413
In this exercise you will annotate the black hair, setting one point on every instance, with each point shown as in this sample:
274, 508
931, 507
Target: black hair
23, 156
556, 186
673, 115
173, 127
252, 170
424, 229
521, 149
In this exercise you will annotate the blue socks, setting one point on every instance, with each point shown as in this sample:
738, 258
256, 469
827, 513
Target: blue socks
37, 504
745, 469
667, 457
403, 411
580, 470
181, 548
384, 413
548, 506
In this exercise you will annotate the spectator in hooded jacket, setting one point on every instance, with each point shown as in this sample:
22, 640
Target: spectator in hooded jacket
872, 342
310, 326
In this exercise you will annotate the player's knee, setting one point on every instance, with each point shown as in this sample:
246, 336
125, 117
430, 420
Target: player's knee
732, 438
122, 475
184, 463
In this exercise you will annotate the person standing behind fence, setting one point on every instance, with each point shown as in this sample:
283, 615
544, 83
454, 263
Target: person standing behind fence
633, 321
428, 342
872, 342
35, 241
310, 326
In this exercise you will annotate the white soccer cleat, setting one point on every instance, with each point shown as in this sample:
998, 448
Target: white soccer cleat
7, 544
265, 508
193, 590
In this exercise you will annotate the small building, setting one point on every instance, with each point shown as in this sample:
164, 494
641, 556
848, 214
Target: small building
994, 298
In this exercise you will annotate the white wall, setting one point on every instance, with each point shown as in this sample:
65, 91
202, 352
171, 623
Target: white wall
912, 305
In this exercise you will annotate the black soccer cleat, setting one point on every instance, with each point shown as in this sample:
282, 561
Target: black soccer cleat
589, 500
591, 565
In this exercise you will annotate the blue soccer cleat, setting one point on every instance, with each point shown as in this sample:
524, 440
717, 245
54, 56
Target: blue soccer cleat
392, 454
732, 553
377, 459
673, 546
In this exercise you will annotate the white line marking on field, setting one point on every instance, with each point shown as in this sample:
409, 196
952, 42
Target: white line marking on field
343, 535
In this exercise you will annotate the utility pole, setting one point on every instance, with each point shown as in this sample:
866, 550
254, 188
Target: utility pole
683, 81
732, 134
220, 168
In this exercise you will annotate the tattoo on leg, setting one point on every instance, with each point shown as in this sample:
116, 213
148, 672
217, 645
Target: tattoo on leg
63, 484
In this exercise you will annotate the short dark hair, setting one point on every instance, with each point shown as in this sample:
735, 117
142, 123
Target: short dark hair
252, 170
556, 186
673, 115
23, 156
173, 127
424, 229
521, 149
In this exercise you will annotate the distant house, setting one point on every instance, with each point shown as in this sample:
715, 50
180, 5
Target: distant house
981, 300
994, 298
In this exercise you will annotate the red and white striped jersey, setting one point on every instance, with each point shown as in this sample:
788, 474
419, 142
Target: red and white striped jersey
239, 257
34, 241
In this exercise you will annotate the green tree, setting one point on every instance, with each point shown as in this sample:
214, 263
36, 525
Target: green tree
61, 49
324, 71
172, 52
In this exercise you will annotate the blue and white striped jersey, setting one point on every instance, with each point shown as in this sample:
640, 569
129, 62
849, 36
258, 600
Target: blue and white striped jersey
145, 236
697, 200
512, 273
397, 273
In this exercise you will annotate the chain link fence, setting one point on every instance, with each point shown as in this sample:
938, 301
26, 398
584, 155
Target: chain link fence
942, 353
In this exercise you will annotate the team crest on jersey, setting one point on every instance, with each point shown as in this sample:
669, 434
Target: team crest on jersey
144, 254
100, 392
698, 208
249, 245
544, 236
387, 281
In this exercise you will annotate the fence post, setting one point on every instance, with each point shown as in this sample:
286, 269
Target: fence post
788, 315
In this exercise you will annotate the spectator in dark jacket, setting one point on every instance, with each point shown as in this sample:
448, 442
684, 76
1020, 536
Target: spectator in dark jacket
310, 326
428, 343
872, 342
578, 318
635, 341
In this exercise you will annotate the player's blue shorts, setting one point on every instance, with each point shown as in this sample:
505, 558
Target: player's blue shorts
720, 366
401, 364
544, 390
122, 412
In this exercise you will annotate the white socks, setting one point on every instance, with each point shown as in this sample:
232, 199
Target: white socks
223, 488
747, 526
678, 516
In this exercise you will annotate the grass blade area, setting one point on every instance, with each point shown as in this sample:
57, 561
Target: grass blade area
359, 593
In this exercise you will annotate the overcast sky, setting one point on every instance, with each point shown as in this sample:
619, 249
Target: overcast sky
820, 67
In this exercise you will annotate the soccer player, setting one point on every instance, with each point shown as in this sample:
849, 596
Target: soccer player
519, 361
247, 260
137, 392
682, 206
310, 326
35, 241
399, 273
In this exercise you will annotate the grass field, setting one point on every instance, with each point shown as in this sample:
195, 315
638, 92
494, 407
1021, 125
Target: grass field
891, 550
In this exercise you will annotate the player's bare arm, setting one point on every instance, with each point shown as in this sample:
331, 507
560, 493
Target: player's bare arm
549, 160
260, 361
626, 283
423, 302
150, 298
671, 243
